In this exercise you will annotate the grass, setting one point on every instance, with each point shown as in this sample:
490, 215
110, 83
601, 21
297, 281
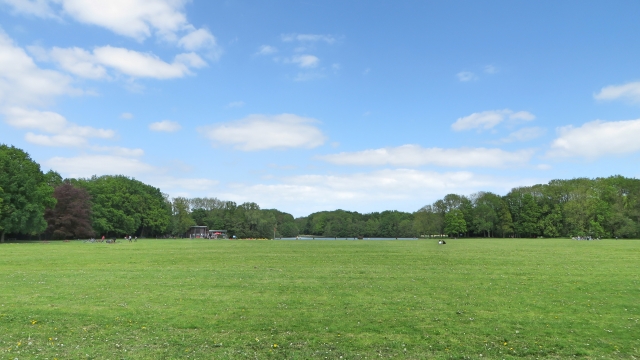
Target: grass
199, 299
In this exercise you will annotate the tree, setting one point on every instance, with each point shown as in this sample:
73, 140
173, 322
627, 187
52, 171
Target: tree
181, 219
454, 223
121, 206
25, 194
528, 221
71, 216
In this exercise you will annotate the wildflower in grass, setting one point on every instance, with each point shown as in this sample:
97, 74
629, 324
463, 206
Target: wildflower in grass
33, 322
274, 346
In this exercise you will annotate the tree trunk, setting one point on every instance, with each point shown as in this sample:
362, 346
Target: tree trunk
2, 237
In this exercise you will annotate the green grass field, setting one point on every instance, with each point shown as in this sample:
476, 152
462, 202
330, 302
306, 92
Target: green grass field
199, 299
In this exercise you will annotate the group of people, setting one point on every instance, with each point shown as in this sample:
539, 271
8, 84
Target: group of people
585, 238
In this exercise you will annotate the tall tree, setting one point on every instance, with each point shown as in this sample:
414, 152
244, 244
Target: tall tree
181, 219
71, 216
454, 223
25, 194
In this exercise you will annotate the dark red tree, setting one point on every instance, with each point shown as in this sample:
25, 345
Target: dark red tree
71, 217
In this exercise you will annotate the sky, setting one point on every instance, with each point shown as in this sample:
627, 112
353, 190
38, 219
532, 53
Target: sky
306, 106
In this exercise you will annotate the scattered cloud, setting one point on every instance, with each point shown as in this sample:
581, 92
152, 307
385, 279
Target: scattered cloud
119, 151
490, 69
236, 104
415, 155
165, 126
192, 184
262, 132
305, 61
524, 134
84, 166
39, 8
465, 76
406, 189
489, 119
88, 165
127, 116
23, 83
629, 91
266, 50
61, 132
197, 40
329, 39
93, 65
596, 139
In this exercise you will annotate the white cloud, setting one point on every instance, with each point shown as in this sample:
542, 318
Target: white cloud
119, 151
596, 139
403, 189
138, 64
490, 69
64, 140
465, 76
308, 38
78, 62
88, 165
629, 91
138, 19
197, 40
266, 50
261, 132
39, 8
93, 65
524, 134
22, 82
414, 155
489, 119
236, 104
165, 126
127, 116
64, 133
305, 61
192, 184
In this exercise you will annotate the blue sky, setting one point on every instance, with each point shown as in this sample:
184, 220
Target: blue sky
318, 105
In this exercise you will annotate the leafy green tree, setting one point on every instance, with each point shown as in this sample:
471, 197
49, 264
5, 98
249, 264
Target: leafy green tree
528, 221
454, 223
25, 194
125, 206
428, 222
485, 212
181, 219
505, 220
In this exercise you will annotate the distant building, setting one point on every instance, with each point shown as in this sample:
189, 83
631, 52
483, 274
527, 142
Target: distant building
198, 232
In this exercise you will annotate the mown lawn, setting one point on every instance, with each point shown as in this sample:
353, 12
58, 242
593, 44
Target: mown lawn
199, 299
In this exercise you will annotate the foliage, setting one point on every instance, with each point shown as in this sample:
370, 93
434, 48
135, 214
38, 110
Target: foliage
25, 193
125, 206
454, 223
71, 216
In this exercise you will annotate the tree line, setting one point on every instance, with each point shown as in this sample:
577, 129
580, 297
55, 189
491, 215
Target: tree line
34, 204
